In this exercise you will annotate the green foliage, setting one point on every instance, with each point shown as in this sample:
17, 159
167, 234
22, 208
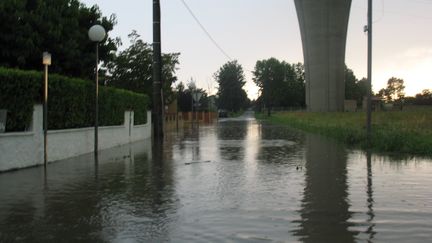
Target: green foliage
19, 90
394, 90
424, 98
231, 79
70, 101
132, 69
354, 89
409, 131
281, 84
30, 27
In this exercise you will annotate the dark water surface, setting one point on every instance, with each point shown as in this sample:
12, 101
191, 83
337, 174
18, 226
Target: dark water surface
237, 181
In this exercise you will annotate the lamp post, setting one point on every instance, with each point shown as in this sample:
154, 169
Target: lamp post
192, 88
46, 61
196, 96
96, 34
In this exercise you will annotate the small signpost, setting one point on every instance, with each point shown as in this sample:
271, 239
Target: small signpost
3, 114
196, 96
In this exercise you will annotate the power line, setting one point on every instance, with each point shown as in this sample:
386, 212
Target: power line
205, 31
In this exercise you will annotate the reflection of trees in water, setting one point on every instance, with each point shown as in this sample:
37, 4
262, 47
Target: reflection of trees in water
235, 130
131, 196
325, 208
47, 206
149, 197
189, 138
279, 155
232, 153
290, 153
281, 132
231, 136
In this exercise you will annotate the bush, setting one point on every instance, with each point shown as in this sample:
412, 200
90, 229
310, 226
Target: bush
18, 92
70, 101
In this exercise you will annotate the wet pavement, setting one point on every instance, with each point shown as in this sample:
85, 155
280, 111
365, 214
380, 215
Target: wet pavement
236, 181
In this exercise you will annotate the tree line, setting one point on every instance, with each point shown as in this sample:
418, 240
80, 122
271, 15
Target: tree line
281, 85
30, 27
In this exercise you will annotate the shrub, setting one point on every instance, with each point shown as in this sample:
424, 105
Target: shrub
18, 92
70, 101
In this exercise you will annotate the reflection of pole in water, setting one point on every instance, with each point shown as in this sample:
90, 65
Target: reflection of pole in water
370, 200
96, 166
45, 178
196, 148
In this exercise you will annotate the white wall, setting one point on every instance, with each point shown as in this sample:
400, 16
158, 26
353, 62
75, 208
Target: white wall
24, 149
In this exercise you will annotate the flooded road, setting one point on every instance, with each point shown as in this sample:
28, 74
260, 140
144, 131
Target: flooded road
236, 181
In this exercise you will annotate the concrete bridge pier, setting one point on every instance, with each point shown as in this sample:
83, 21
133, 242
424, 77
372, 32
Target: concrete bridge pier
323, 27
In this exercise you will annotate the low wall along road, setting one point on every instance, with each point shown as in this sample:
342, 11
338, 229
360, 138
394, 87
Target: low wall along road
25, 149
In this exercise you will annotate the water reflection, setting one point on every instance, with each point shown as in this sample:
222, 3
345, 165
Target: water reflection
370, 200
260, 183
231, 136
281, 145
132, 197
325, 207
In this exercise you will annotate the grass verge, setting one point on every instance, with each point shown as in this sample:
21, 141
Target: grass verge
407, 131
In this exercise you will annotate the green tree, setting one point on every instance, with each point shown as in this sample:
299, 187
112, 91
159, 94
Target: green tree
231, 79
281, 84
395, 89
424, 98
350, 84
354, 89
382, 93
132, 68
30, 27
184, 98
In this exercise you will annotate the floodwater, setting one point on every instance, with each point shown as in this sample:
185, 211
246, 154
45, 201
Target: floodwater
237, 181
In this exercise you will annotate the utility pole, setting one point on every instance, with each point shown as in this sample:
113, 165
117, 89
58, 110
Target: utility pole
369, 74
157, 74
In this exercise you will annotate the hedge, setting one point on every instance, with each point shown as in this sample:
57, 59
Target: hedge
70, 101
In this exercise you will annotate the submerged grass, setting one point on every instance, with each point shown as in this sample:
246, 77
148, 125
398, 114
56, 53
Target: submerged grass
408, 131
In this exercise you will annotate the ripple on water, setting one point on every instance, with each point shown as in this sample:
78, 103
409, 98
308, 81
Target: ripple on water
264, 183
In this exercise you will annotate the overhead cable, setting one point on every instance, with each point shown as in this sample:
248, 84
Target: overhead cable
205, 31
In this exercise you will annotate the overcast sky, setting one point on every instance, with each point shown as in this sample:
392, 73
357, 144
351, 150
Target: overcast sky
251, 30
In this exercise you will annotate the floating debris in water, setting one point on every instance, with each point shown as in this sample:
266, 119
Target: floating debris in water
197, 162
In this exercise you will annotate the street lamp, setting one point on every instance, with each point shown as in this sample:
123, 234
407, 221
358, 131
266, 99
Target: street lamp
96, 34
192, 88
46, 61
196, 96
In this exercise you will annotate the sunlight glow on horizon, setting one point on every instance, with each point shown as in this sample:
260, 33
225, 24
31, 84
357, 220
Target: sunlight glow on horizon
252, 30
